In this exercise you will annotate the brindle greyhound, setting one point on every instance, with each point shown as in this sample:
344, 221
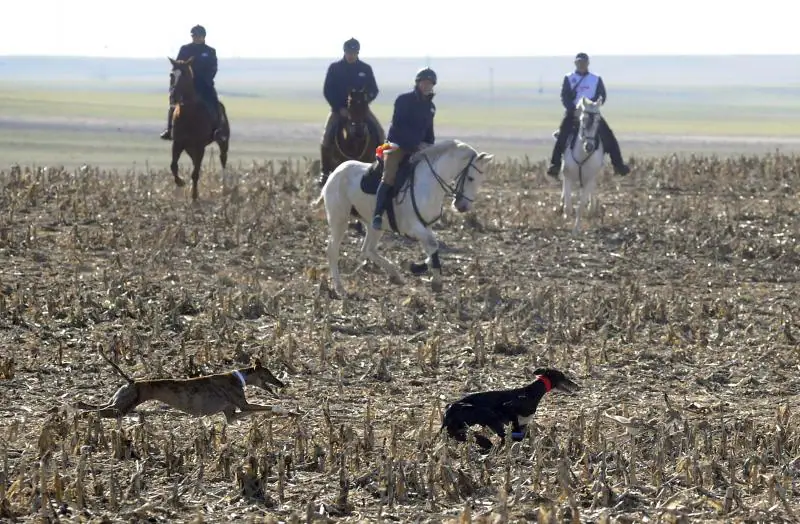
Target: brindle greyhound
198, 396
495, 409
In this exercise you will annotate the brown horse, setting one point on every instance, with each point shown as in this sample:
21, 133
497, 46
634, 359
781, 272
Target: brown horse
353, 139
191, 125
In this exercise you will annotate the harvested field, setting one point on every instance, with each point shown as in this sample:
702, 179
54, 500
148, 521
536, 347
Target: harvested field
677, 313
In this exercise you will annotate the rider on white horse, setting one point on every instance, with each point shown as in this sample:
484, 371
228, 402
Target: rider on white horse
411, 129
576, 85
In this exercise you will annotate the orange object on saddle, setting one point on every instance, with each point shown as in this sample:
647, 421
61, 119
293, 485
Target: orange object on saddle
383, 148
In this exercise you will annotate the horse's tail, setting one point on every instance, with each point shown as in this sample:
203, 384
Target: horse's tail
321, 196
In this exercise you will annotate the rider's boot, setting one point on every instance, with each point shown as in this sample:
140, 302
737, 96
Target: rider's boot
216, 127
325, 163
555, 161
219, 133
380, 205
616, 157
167, 133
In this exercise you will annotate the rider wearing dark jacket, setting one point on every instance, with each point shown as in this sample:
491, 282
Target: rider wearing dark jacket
411, 130
576, 85
204, 66
343, 76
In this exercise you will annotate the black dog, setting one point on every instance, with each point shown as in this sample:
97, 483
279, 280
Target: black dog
495, 409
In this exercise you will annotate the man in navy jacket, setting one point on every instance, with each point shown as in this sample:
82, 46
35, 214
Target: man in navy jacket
204, 67
411, 129
343, 76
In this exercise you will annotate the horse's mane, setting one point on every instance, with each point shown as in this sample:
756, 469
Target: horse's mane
439, 149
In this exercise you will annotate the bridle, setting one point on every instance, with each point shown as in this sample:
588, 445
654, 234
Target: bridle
454, 189
174, 79
362, 124
589, 142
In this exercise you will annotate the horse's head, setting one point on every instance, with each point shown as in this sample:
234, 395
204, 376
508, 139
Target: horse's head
182, 78
473, 175
461, 167
589, 118
357, 105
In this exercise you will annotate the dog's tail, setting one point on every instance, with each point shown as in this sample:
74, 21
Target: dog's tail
116, 367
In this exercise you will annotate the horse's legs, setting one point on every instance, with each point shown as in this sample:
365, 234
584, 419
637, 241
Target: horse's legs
223, 157
566, 196
197, 155
591, 195
369, 248
177, 149
337, 225
583, 203
431, 246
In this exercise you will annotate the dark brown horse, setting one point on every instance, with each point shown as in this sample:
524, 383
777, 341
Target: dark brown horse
191, 125
353, 140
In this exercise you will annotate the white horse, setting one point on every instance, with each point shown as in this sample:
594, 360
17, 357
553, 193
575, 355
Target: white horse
447, 168
583, 162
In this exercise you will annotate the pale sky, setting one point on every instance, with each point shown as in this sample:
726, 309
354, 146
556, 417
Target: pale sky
390, 28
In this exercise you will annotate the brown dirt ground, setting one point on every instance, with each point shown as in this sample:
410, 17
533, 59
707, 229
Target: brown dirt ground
677, 309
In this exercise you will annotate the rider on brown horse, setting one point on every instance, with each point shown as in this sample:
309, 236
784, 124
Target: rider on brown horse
204, 67
343, 76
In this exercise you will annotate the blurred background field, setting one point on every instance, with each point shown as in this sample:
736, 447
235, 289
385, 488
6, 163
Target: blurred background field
110, 111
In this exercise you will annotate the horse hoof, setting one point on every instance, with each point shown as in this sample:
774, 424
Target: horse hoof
437, 286
418, 269
179, 181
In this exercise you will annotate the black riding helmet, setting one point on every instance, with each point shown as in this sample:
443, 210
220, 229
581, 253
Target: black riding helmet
352, 46
426, 74
198, 30
582, 56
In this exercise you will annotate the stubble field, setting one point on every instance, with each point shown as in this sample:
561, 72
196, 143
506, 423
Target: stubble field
676, 312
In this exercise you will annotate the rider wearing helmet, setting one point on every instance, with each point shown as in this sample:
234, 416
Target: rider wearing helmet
204, 67
411, 129
576, 85
343, 76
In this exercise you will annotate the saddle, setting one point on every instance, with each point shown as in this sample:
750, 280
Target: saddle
372, 178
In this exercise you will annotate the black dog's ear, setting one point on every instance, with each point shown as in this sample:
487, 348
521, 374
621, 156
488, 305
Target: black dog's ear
540, 371
257, 363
